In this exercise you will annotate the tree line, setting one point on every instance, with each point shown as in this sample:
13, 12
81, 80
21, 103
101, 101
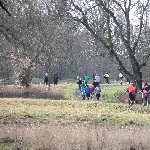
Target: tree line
74, 38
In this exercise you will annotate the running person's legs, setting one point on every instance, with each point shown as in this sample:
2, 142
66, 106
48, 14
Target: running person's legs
88, 95
97, 96
131, 99
145, 99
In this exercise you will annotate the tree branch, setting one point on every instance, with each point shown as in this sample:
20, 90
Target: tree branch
116, 2
102, 4
108, 46
84, 21
133, 60
141, 25
3, 30
3, 7
146, 57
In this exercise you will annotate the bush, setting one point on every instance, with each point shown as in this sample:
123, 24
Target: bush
35, 91
123, 97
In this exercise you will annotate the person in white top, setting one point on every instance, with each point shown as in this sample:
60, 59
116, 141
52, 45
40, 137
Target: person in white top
97, 80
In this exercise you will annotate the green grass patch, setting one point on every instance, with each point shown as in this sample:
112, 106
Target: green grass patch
5, 146
69, 90
37, 80
73, 112
108, 92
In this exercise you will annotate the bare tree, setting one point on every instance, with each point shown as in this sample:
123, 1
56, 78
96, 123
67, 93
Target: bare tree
38, 34
117, 24
4, 8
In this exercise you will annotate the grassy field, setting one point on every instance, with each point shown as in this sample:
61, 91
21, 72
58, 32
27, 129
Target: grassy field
71, 124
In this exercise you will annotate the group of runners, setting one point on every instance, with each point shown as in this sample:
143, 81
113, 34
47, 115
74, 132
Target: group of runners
131, 89
95, 89
89, 91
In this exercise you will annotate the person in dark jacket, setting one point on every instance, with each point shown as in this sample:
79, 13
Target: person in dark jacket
93, 76
46, 79
79, 83
55, 79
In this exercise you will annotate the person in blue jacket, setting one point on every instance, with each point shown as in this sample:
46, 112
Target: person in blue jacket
83, 84
87, 91
98, 91
83, 92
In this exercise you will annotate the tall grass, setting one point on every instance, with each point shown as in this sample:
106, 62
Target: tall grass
73, 137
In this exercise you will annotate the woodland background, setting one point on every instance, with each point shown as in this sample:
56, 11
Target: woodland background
74, 38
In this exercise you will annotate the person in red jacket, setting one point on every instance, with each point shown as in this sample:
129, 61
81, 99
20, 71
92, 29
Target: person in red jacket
92, 91
145, 94
131, 89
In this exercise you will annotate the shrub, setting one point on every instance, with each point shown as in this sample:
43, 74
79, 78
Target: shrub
123, 97
35, 91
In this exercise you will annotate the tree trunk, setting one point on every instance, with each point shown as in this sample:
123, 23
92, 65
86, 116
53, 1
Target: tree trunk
137, 79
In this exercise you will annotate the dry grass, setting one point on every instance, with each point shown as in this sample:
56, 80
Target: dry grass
35, 91
75, 137
123, 97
